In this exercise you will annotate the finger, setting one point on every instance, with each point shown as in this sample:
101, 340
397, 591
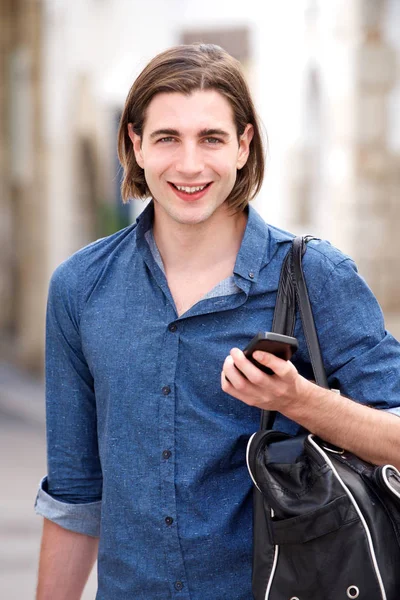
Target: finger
284, 369
228, 388
251, 371
233, 374
226, 384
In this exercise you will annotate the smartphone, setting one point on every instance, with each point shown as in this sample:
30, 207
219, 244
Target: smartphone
282, 346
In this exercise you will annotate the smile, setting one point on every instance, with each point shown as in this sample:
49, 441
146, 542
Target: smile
191, 193
190, 189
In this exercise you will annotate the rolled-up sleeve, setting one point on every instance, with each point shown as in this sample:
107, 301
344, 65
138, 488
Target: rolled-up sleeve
82, 518
71, 493
361, 358
394, 411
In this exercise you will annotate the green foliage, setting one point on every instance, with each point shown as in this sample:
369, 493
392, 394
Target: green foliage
111, 218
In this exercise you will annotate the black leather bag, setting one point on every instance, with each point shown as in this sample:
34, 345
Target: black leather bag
326, 523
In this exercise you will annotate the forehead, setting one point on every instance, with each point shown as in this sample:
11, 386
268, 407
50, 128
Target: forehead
202, 109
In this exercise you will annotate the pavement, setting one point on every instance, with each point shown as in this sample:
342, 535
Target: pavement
21, 395
22, 465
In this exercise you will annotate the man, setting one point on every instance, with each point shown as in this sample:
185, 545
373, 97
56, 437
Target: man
148, 416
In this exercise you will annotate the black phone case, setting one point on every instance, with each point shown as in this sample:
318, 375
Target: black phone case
281, 346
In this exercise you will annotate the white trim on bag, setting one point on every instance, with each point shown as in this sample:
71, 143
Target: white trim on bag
276, 551
274, 565
247, 461
362, 519
386, 479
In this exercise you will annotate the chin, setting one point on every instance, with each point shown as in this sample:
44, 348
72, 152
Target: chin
192, 220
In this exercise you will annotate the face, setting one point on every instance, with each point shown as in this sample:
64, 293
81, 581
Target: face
190, 154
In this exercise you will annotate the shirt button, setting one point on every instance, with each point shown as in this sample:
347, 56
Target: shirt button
178, 585
172, 327
251, 275
169, 520
166, 390
166, 454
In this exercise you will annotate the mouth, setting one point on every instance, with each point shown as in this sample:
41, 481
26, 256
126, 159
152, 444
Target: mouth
190, 192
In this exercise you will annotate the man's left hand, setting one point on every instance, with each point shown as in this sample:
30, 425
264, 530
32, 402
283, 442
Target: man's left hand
256, 388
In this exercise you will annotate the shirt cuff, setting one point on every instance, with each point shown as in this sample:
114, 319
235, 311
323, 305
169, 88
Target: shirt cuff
81, 518
394, 411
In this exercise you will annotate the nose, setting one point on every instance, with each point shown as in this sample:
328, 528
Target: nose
189, 160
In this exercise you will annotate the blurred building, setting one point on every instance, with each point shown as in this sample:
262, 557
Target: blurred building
325, 76
344, 171
23, 210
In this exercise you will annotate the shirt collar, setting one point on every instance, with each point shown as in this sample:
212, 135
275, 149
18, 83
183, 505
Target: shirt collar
259, 244
144, 221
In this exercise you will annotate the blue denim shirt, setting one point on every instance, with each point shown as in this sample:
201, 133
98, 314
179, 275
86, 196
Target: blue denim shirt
144, 448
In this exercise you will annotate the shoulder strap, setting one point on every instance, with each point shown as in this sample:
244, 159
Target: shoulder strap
292, 292
306, 315
285, 305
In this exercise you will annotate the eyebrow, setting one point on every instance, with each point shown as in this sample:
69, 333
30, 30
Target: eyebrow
202, 133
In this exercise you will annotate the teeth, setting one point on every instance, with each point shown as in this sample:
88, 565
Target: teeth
190, 190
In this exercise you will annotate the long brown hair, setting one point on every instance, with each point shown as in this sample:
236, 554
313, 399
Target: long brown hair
184, 69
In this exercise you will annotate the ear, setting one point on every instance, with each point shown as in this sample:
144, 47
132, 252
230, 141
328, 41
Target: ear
244, 146
137, 145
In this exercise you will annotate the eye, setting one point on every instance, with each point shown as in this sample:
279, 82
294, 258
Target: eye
213, 141
166, 140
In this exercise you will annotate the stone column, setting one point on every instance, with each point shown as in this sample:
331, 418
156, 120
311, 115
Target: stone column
376, 168
6, 246
358, 192
22, 205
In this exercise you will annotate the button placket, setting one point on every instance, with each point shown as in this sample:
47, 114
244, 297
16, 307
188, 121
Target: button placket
166, 427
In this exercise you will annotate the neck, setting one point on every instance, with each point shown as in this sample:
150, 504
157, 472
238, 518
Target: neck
199, 246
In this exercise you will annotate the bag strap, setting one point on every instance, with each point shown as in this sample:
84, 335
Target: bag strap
285, 305
292, 292
306, 315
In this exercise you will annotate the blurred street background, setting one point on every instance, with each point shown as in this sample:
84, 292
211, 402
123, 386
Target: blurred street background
325, 75
22, 464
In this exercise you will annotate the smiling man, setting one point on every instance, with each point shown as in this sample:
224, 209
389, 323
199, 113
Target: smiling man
148, 417
191, 151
